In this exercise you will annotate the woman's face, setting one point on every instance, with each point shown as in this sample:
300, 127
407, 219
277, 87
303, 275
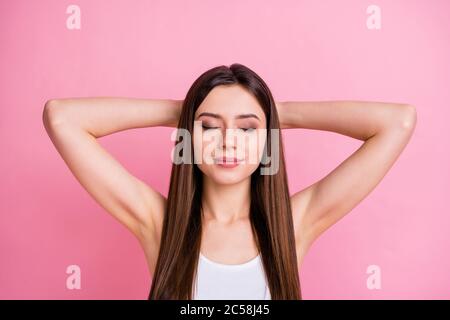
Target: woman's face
229, 134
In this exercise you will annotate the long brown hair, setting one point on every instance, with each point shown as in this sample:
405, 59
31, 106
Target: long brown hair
270, 209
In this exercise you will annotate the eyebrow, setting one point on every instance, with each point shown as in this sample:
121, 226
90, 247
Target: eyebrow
240, 116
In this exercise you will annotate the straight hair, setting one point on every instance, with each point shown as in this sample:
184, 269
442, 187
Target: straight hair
270, 209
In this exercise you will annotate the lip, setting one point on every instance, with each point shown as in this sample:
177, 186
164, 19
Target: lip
227, 162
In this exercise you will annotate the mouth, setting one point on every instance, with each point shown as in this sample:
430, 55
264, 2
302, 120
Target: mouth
227, 162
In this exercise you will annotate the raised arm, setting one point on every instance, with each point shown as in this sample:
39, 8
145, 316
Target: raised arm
74, 126
385, 129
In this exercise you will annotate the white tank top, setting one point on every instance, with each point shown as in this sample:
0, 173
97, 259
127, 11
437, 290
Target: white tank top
217, 281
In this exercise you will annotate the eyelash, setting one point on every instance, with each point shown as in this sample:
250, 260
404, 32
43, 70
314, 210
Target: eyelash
206, 128
244, 129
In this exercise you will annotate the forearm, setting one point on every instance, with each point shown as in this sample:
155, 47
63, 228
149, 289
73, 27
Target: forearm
358, 119
101, 116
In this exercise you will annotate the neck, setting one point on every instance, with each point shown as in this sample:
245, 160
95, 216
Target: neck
226, 203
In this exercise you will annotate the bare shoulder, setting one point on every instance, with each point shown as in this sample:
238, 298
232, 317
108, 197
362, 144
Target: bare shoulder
299, 208
150, 232
155, 205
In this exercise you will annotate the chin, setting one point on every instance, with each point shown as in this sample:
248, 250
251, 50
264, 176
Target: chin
226, 180
228, 176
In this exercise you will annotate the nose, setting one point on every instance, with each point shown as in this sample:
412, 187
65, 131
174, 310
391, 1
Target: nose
230, 147
229, 140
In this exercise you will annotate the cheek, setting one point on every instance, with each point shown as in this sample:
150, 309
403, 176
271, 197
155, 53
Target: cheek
205, 148
254, 149
262, 144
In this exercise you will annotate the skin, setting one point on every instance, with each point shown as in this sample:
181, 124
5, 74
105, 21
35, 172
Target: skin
227, 227
75, 124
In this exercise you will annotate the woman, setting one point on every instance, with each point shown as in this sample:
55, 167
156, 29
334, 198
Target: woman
226, 230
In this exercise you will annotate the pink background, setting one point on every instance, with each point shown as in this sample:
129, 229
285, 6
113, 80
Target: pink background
305, 50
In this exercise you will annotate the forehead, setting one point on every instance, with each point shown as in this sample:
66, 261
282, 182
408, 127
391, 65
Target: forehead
230, 100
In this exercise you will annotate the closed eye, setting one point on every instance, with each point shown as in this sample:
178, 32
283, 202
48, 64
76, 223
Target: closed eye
247, 129
207, 128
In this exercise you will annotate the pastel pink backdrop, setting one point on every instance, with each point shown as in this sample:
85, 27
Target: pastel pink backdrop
305, 50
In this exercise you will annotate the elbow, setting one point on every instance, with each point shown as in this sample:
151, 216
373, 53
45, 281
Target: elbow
52, 114
408, 117
402, 117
